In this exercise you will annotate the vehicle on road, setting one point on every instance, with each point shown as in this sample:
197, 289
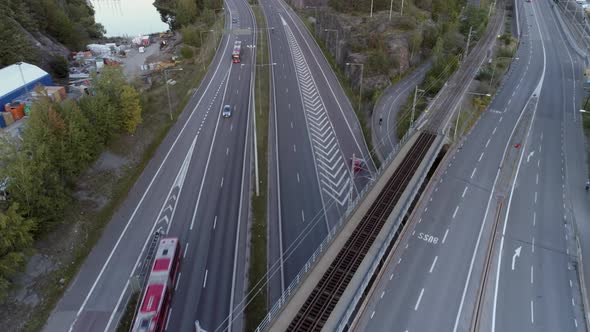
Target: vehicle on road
157, 296
226, 111
237, 52
234, 20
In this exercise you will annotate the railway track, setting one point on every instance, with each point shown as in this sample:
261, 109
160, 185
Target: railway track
321, 302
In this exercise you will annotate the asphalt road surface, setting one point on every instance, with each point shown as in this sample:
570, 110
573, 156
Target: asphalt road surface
429, 283
197, 188
385, 114
314, 135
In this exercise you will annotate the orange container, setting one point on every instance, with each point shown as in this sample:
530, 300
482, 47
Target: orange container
17, 111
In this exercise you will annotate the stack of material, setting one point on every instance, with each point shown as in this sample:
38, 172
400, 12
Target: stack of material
56, 93
8, 120
16, 109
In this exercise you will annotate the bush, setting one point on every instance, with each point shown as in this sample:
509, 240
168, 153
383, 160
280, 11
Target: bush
59, 66
187, 52
190, 36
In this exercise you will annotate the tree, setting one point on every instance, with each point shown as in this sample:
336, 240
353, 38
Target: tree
186, 12
17, 236
102, 114
131, 109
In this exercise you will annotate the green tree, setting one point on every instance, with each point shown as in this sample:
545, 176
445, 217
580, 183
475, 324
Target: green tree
186, 12
17, 236
131, 109
102, 114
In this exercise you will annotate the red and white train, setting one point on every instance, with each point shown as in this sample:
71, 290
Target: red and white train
155, 303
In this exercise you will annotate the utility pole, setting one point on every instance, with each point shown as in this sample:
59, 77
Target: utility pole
402, 10
390, 9
414, 106
371, 9
468, 40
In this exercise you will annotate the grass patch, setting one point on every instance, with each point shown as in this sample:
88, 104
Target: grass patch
257, 304
127, 319
156, 121
353, 95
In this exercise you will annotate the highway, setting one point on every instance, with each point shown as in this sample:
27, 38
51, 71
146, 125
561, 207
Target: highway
197, 188
314, 135
431, 280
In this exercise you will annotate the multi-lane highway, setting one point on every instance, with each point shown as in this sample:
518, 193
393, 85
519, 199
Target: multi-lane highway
510, 169
196, 188
314, 135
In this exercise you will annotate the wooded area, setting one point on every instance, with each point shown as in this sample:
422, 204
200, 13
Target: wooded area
59, 143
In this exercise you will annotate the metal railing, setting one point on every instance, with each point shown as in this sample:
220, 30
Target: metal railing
332, 233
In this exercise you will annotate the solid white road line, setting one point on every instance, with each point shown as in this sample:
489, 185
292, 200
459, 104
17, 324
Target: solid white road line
445, 236
464, 191
433, 264
419, 299
185, 250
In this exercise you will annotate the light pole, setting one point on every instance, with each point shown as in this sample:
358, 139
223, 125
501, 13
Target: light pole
20, 69
336, 46
371, 15
459, 113
167, 89
361, 84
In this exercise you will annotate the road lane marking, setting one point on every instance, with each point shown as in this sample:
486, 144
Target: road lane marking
502, 117
302, 216
576, 322
291, 124
185, 250
298, 181
534, 218
215, 222
205, 280
532, 274
535, 197
372, 314
226, 151
399, 261
413, 232
573, 303
391, 277
294, 148
382, 293
420, 220
493, 132
533, 245
538, 163
455, 213
221, 184
231, 127
168, 318
537, 181
177, 281
464, 191
480, 156
473, 173
532, 313
445, 236
419, 299
433, 264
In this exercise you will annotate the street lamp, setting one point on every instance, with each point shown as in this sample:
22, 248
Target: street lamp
167, 89
336, 51
361, 84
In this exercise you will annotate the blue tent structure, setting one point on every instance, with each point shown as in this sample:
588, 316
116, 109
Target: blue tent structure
17, 79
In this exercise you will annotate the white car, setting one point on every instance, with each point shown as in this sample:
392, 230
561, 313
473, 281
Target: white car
226, 111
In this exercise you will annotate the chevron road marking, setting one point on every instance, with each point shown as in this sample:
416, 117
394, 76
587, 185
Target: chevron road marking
333, 176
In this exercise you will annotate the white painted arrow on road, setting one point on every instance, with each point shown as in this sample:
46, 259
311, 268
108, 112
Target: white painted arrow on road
516, 254
530, 155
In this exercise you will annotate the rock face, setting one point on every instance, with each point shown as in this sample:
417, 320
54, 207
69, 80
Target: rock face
354, 39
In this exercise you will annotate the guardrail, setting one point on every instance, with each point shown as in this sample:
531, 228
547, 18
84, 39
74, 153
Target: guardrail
290, 290
350, 309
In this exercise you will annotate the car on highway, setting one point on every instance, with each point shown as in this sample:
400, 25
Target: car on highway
226, 111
